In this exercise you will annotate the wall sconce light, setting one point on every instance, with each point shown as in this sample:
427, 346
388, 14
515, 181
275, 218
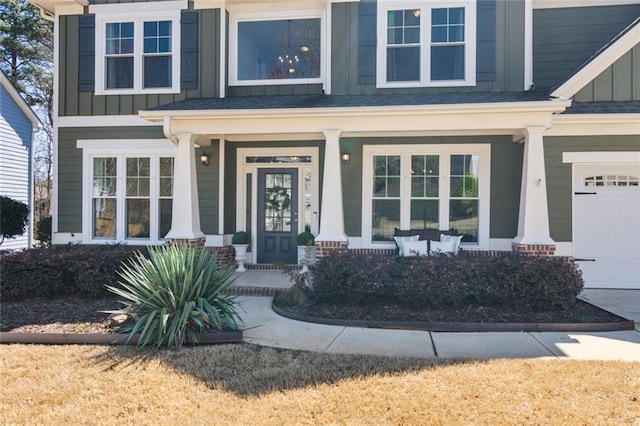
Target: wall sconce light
204, 158
346, 157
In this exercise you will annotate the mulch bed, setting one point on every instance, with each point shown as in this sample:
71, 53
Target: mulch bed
76, 315
580, 312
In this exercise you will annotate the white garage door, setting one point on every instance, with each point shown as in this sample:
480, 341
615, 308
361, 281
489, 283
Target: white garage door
606, 225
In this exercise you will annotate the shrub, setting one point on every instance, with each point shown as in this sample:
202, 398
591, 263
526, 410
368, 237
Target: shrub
55, 271
174, 294
510, 280
240, 237
14, 216
43, 230
353, 278
305, 238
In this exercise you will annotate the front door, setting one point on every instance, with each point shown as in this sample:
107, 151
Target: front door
277, 215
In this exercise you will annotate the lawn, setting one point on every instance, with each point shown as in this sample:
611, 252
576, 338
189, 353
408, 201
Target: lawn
247, 385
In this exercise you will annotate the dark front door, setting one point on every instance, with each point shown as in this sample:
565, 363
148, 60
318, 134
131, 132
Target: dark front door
277, 215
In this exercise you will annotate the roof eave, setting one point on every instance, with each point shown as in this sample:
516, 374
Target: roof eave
552, 106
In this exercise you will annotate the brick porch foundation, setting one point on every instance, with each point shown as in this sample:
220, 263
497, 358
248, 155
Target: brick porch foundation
535, 249
189, 242
323, 248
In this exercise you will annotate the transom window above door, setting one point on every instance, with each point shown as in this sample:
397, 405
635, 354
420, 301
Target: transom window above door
276, 49
426, 43
137, 54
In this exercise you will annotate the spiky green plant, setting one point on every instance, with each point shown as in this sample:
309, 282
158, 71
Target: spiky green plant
173, 295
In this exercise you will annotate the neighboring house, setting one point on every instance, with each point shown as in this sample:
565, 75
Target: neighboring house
17, 124
491, 117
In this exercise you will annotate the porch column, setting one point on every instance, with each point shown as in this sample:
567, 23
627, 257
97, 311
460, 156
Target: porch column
533, 222
185, 220
331, 236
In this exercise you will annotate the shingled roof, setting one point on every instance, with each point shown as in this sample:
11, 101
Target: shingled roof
619, 107
348, 101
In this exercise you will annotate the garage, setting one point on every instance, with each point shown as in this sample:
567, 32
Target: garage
606, 225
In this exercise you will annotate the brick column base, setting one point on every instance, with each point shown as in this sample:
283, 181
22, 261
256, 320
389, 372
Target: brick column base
225, 255
535, 249
189, 242
323, 248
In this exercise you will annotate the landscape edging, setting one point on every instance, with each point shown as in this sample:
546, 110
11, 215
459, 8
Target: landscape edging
461, 326
106, 339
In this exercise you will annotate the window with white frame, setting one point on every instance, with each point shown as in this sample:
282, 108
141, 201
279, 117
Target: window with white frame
276, 48
137, 52
426, 43
426, 187
130, 197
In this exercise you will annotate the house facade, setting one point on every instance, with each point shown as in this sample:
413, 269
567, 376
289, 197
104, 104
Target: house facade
17, 125
190, 120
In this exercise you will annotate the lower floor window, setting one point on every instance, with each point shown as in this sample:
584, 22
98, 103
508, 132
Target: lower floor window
131, 197
426, 187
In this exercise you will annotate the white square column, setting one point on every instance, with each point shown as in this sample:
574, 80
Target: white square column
331, 236
533, 221
185, 220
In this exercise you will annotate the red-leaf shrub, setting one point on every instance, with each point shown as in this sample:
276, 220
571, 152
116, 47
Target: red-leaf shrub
469, 279
78, 270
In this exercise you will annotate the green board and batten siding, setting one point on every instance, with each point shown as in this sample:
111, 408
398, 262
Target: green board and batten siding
73, 102
559, 174
70, 174
509, 75
506, 171
563, 38
619, 82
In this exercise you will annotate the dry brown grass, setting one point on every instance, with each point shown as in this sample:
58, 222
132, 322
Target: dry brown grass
249, 385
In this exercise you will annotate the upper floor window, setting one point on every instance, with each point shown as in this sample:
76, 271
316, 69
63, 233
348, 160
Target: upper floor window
276, 49
426, 44
137, 54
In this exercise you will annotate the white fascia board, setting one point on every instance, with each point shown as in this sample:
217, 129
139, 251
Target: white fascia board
598, 64
133, 8
607, 157
594, 124
104, 121
209, 4
243, 6
551, 106
556, 4
19, 100
459, 118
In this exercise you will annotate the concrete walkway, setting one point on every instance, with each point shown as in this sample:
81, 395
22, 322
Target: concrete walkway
262, 326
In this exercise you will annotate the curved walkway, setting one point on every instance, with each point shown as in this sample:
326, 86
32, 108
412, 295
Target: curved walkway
262, 326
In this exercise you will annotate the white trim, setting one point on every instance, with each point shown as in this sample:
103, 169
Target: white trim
55, 128
221, 168
224, 53
325, 55
138, 13
253, 6
600, 63
67, 238
104, 121
470, 42
120, 145
483, 150
209, 4
594, 124
555, 4
61, 7
606, 157
122, 149
401, 119
242, 169
236, 18
116, 9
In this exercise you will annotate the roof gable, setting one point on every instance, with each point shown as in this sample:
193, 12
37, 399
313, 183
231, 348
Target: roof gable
600, 61
22, 104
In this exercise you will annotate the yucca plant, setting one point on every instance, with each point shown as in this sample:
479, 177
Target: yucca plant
173, 295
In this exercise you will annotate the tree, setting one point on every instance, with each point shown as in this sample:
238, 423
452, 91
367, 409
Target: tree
14, 216
26, 58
